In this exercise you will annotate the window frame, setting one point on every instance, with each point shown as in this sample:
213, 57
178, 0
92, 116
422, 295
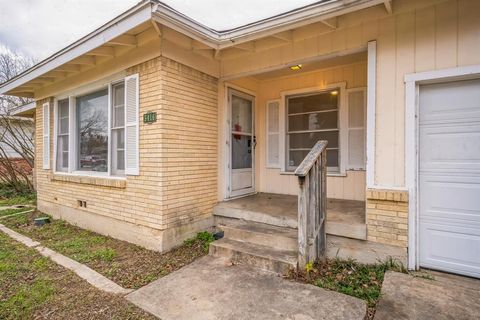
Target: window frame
73, 135
342, 125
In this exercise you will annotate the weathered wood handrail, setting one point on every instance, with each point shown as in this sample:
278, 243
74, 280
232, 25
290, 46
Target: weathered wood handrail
312, 204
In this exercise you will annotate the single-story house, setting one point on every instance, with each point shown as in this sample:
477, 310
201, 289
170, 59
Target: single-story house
156, 126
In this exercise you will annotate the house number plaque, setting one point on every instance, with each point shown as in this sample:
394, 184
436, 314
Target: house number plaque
149, 117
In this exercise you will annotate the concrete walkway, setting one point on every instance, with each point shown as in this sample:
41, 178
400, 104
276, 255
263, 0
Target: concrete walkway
446, 297
209, 288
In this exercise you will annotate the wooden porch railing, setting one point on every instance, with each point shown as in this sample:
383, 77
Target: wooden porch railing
312, 204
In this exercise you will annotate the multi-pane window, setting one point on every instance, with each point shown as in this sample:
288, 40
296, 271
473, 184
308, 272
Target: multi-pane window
97, 132
92, 134
62, 135
118, 128
311, 118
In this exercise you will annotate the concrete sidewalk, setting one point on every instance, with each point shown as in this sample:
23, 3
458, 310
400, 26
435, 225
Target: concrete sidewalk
405, 297
211, 289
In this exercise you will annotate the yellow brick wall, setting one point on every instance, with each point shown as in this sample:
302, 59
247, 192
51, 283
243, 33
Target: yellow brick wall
387, 217
178, 155
189, 156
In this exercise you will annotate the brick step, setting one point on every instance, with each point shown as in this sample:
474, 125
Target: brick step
264, 257
280, 238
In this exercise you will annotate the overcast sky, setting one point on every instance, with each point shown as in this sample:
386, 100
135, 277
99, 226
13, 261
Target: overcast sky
39, 28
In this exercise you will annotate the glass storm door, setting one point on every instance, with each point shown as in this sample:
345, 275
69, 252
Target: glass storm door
242, 143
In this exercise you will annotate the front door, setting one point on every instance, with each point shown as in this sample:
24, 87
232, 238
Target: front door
242, 143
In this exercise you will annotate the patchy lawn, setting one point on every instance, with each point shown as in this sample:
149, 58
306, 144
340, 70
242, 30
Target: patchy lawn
349, 277
128, 265
33, 287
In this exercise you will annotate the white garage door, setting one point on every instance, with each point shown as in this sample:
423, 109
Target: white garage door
449, 177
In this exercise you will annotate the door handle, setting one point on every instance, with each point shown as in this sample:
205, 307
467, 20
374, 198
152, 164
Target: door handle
254, 141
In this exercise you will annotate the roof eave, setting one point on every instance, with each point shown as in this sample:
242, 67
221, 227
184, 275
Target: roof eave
121, 24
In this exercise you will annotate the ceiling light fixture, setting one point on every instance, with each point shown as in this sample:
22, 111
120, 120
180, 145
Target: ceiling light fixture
334, 93
296, 67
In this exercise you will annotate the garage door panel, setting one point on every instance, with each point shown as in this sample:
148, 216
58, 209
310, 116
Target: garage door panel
451, 147
450, 197
455, 249
450, 101
449, 177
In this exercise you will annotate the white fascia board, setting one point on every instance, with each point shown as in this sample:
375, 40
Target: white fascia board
123, 23
25, 108
228, 38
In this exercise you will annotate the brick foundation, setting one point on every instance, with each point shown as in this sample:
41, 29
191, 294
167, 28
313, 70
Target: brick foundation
387, 217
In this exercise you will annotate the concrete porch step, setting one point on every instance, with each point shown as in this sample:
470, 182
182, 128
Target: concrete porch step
264, 257
348, 230
280, 238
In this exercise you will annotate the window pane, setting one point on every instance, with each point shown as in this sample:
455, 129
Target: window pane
118, 104
63, 108
120, 160
308, 140
62, 153
241, 151
118, 116
92, 122
297, 156
313, 121
118, 147
314, 102
63, 126
241, 114
332, 158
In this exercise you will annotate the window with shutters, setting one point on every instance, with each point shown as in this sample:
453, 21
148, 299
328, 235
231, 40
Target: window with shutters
93, 130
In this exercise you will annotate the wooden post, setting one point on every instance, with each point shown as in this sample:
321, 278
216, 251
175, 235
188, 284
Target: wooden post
312, 205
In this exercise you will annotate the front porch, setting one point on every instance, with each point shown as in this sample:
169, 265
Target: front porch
345, 218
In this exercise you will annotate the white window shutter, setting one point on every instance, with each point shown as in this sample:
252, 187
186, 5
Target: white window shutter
132, 162
356, 128
46, 135
273, 134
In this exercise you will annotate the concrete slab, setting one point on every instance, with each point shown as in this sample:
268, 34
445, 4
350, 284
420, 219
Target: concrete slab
366, 252
344, 217
210, 289
445, 297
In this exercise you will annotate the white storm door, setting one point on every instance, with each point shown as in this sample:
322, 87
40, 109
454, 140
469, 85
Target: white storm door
449, 177
242, 143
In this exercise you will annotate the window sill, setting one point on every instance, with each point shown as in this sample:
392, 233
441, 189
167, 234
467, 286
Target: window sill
113, 182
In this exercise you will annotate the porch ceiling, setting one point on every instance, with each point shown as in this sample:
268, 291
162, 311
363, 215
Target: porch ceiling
310, 66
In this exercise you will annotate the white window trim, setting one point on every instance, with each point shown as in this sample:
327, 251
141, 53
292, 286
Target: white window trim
342, 124
412, 89
73, 139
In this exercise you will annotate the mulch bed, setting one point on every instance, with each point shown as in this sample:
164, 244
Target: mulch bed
128, 265
33, 287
